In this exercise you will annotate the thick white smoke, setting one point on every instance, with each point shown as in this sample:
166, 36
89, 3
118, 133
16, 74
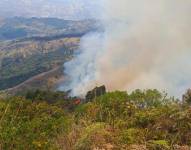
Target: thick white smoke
146, 44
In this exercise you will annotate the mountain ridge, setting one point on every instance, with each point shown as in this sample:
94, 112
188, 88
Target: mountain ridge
20, 27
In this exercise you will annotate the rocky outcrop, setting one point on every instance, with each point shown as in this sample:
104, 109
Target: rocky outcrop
96, 92
187, 97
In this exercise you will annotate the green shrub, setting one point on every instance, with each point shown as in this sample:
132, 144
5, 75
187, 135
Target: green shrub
94, 136
158, 145
133, 136
30, 125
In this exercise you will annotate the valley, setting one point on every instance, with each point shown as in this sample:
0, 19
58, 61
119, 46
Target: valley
47, 44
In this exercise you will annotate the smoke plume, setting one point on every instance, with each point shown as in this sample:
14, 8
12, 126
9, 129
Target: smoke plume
145, 44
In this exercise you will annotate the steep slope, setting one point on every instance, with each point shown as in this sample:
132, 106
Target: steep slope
44, 81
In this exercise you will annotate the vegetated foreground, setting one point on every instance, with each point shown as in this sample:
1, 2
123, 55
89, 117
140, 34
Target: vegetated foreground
138, 121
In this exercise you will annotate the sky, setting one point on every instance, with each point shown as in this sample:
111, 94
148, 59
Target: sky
67, 9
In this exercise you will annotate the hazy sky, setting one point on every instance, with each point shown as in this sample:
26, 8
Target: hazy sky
68, 9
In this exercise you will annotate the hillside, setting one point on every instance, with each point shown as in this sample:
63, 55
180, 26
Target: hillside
45, 81
18, 27
141, 120
24, 59
32, 46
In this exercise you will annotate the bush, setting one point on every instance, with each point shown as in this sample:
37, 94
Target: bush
133, 136
158, 144
30, 125
94, 136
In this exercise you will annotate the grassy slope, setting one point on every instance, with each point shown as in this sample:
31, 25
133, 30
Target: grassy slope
23, 60
45, 81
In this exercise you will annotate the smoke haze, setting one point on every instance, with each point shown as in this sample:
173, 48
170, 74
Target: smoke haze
146, 44
67, 9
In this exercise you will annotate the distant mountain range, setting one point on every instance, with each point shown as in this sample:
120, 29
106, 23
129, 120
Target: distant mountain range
30, 47
67, 9
18, 27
